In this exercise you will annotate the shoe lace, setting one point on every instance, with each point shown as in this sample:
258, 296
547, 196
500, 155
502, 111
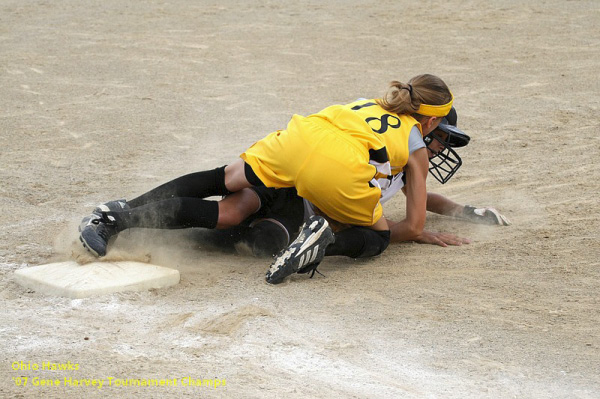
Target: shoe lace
309, 269
106, 232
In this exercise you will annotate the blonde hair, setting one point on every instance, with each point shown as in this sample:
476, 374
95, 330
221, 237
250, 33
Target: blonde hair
405, 98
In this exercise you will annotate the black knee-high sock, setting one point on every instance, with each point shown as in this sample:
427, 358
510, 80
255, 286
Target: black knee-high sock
173, 213
194, 185
359, 242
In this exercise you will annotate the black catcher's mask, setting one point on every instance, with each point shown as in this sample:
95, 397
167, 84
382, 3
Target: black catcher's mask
445, 163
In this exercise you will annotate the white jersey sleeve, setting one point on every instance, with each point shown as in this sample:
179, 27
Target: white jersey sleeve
390, 188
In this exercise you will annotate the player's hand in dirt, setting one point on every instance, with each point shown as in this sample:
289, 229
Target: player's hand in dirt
485, 215
441, 239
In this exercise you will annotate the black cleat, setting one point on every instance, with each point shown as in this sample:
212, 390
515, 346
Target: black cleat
96, 231
97, 228
305, 253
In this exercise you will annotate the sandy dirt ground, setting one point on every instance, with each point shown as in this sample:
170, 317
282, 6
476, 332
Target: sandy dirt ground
105, 100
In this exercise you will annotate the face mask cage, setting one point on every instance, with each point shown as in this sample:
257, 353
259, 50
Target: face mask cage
445, 163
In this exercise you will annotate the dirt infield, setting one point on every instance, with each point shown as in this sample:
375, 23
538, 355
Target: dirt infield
105, 100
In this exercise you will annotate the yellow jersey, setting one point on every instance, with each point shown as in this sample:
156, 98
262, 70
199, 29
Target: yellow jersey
334, 158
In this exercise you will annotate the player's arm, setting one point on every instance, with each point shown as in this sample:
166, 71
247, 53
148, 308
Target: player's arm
444, 206
437, 203
412, 226
434, 237
441, 205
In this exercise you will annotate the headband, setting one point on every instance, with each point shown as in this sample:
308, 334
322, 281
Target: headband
436, 110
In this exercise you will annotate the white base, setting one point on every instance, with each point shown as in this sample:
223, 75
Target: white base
72, 280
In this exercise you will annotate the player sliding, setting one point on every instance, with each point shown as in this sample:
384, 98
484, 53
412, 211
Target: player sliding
281, 211
278, 219
334, 158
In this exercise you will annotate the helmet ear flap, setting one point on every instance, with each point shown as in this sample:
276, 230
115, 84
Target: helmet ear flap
451, 118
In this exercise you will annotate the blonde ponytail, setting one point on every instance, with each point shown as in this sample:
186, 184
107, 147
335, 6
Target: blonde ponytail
405, 98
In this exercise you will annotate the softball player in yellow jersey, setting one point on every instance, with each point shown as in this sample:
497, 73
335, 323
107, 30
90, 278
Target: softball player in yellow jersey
333, 158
